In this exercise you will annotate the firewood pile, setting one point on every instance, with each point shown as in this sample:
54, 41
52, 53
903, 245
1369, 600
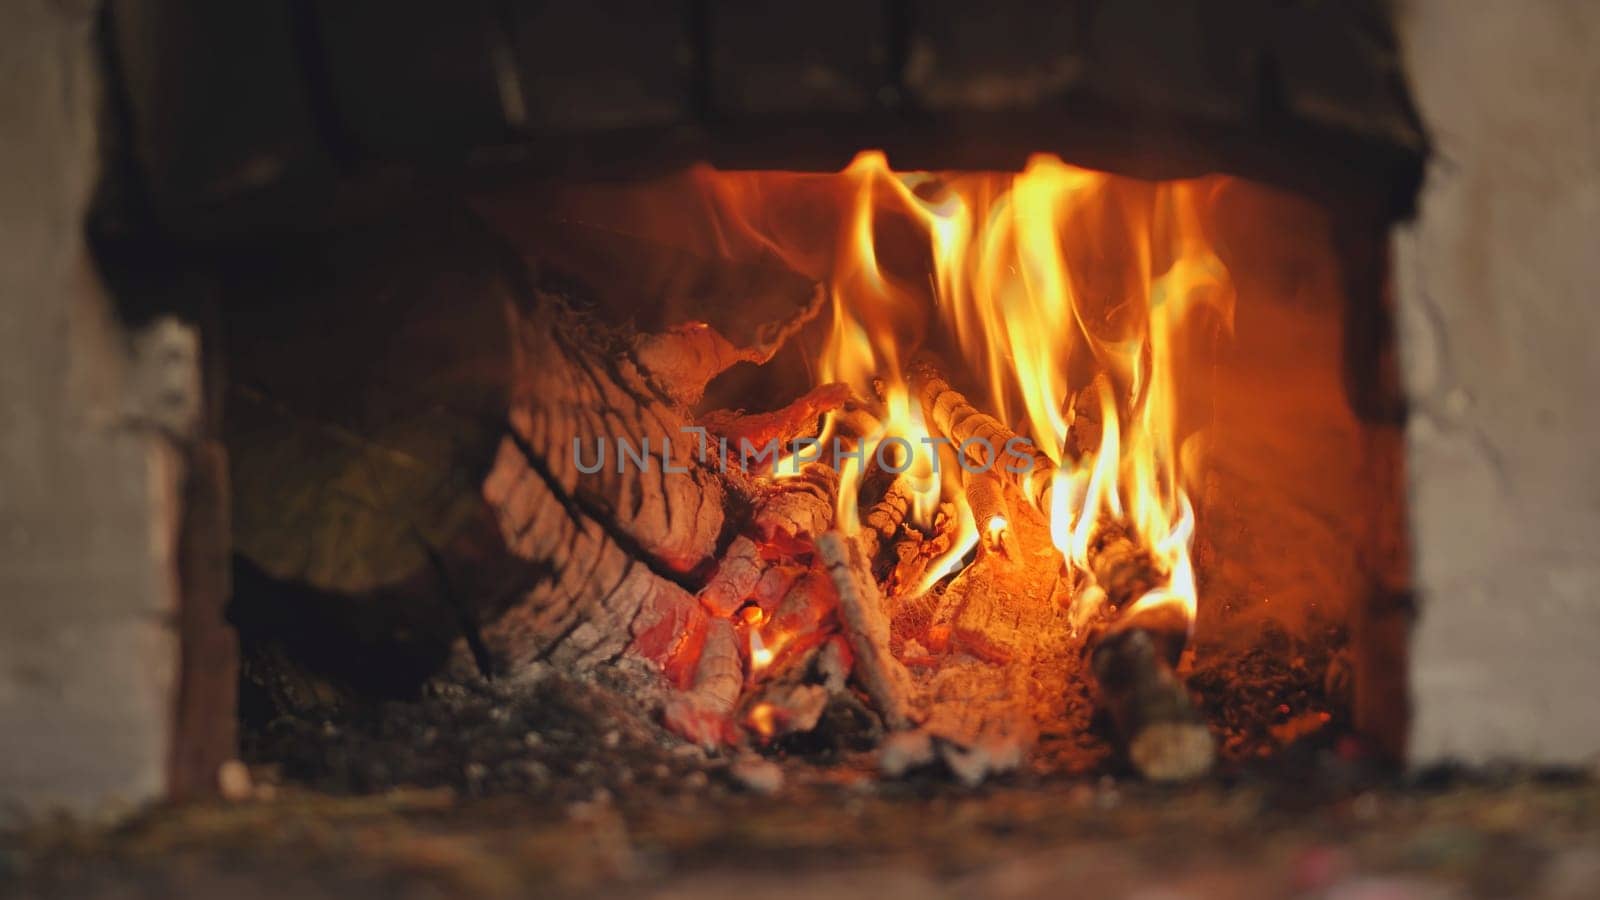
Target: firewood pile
523, 479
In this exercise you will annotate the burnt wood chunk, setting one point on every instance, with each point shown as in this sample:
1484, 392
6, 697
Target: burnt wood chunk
1157, 724
867, 627
1121, 564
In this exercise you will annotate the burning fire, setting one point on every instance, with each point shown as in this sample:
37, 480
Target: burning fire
1050, 286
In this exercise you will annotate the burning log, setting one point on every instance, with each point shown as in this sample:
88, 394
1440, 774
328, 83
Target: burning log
797, 420
986, 497
1155, 720
889, 513
1122, 566
855, 423
775, 584
702, 713
981, 438
804, 608
736, 578
445, 503
626, 541
1156, 723
791, 696
884, 520
683, 360
799, 507
1086, 421
620, 540
600, 598
793, 510
867, 627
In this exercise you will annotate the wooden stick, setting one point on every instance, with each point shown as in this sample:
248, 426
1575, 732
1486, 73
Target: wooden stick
949, 414
1156, 722
1122, 565
867, 628
885, 517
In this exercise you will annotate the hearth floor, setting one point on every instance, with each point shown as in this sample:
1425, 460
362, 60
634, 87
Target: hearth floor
1510, 834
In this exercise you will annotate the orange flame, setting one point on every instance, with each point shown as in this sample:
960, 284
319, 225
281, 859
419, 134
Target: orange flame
760, 654
1039, 277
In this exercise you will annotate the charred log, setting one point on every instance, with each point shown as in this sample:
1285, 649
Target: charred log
797, 420
1156, 722
798, 508
867, 627
884, 519
735, 580
703, 713
403, 419
1122, 565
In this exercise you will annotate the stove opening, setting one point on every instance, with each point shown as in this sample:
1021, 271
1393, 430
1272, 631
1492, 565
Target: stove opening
1054, 471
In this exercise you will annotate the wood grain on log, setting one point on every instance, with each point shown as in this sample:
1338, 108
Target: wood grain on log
653, 489
598, 598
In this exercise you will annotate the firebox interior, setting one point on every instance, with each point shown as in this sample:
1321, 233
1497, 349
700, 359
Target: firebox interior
376, 560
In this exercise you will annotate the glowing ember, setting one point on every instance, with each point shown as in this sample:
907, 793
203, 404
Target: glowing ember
763, 720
